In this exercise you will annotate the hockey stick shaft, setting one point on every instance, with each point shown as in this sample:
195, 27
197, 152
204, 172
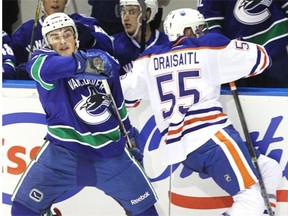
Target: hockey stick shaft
35, 25
116, 112
75, 6
143, 25
250, 146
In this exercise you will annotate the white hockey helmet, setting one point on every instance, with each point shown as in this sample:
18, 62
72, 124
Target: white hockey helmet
56, 21
152, 4
177, 20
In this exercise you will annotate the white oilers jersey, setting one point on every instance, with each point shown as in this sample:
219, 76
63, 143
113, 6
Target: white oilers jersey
184, 83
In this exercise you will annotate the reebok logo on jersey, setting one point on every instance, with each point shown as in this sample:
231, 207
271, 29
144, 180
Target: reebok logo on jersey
36, 195
139, 199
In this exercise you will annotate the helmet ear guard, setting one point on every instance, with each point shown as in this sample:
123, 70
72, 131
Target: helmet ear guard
57, 21
177, 20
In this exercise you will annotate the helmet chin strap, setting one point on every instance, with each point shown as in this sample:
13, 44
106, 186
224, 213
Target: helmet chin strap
137, 29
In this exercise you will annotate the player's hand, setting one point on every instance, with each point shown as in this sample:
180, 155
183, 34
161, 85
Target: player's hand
92, 64
21, 72
137, 143
137, 154
85, 35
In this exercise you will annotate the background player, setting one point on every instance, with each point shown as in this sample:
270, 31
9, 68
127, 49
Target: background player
8, 58
263, 22
128, 45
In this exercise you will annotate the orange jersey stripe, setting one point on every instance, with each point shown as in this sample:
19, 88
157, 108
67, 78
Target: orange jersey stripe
193, 120
247, 178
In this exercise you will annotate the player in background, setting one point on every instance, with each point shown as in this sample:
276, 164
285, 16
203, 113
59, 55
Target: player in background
183, 84
8, 58
263, 22
111, 22
128, 45
84, 145
90, 34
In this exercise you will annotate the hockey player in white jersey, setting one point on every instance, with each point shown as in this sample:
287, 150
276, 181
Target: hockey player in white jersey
183, 84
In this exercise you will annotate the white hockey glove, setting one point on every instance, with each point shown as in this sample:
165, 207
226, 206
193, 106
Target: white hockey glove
92, 64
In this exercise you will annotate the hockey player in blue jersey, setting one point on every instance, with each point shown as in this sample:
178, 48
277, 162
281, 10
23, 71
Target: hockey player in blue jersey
128, 45
90, 34
263, 22
84, 145
183, 84
8, 58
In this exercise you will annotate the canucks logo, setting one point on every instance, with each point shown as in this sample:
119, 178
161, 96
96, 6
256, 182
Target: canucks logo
36, 195
93, 108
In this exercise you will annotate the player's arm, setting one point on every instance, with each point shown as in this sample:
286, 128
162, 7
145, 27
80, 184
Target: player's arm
242, 59
134, 83
46, 66
91, 35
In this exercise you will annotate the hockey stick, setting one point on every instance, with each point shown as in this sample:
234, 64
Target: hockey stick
250, 146
170, 188
116, 112
75, 6
35, 25
143, 25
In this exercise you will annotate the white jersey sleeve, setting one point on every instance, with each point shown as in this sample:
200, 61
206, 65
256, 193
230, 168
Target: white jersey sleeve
133, 83
242, 59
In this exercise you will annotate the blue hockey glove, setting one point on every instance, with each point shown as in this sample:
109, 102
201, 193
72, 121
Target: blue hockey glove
92, 64
137, 154
137, 143
85, 35
21, 72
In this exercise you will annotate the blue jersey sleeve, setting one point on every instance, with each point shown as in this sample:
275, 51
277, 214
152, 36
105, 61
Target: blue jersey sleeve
8, 58
46, 66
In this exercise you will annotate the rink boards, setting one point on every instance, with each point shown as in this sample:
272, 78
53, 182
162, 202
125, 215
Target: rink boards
23, 120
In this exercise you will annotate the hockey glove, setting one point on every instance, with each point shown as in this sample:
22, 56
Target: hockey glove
86, 37
92, 64
21, 72
137, 143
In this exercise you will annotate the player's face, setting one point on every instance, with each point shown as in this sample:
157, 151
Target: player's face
130, 16
53, 6
200, 31
62, 41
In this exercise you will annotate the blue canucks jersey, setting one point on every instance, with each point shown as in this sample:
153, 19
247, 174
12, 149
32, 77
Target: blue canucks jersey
79, 114
8, 58
21, 38
127, 49
261, 22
